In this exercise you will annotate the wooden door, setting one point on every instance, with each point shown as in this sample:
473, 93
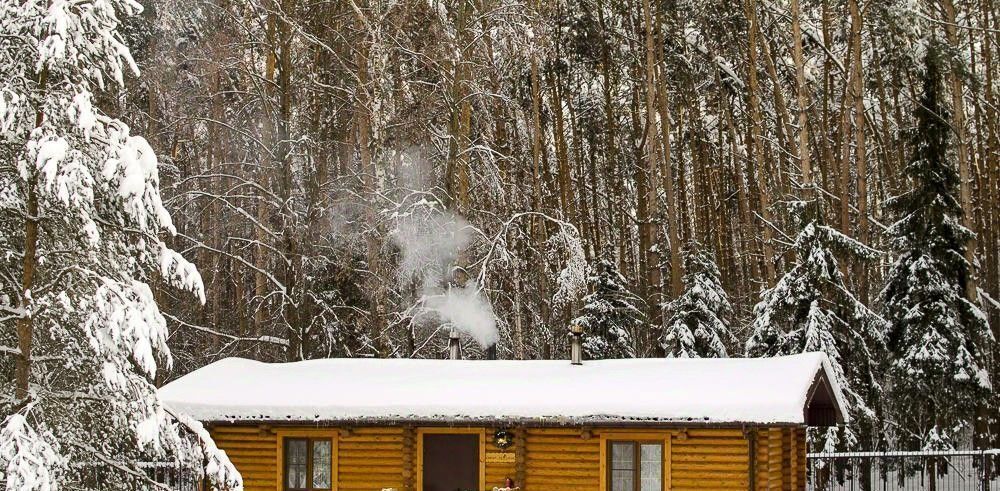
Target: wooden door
451, 462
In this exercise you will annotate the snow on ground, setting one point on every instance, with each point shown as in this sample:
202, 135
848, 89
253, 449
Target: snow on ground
732, 390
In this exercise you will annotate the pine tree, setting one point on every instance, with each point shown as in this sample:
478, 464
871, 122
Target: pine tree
698, 320
80, 233
611, 315
937, 337
812, 309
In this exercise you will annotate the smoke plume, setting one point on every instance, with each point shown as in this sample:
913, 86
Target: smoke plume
430, 241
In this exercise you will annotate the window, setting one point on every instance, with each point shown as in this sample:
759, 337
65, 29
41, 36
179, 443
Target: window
308, 464
635, 466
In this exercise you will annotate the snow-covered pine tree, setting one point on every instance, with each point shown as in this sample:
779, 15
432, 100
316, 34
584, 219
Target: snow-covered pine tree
937, 337
812, 309
611, 315
80, 233
698, 320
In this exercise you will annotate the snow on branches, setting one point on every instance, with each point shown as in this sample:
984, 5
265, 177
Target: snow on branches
29, 460
89, 226
939, 338
611, 315
218, 469
82, 38
698, 323
811, 308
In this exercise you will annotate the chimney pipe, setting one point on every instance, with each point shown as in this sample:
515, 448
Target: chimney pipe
576, 344
454, 348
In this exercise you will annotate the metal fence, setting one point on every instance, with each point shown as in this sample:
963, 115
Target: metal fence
162, 476
172, 476
973, 470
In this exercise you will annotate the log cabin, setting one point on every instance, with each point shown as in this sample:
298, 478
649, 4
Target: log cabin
457, 425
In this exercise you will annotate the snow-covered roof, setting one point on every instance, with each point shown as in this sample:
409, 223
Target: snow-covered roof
795, 389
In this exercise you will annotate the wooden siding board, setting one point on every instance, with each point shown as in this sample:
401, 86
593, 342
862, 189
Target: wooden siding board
372, 458
780, 459
548, 466
710, 459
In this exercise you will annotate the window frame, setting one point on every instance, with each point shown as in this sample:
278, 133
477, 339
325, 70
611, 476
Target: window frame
310, 448
285, 434
636, 460
664, 436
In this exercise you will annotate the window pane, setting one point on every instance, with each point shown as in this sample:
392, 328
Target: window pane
321, 465
297, 476
296, 453
623, 455
651, 467
623, 480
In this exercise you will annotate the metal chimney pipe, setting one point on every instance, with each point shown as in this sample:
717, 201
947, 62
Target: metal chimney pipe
454, 347
576, 344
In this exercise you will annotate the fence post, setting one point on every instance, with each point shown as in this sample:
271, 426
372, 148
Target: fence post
884, 472
984, 470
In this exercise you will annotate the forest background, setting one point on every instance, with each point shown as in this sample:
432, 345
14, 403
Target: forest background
682, 177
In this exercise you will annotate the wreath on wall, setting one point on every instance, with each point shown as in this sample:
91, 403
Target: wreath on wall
503, 439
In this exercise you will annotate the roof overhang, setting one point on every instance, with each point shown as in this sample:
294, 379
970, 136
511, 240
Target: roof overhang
822, 406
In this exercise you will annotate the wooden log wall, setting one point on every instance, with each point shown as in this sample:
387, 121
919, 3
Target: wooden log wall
558, 459
710, 459
374, 458
545, 459
497, 469
780, 462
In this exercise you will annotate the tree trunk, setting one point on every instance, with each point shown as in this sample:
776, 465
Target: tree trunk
458, 162
860, 147
784, 127
562, 151
755, 147
613, 183
269, 137
649, 197
363, 122
965, 174
667, 176
25, 324
802, 98
536, 132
